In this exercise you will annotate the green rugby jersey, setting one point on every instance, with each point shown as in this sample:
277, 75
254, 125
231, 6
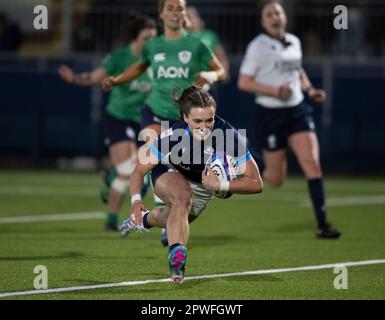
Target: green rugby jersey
126, 100
175, 64
208, 37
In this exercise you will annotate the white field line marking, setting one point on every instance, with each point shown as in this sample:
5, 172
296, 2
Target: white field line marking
223, 275
350, 201
54, 217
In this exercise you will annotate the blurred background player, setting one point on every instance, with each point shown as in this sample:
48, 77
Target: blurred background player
122, 116
197, 28
272, 70
187, 186
177, 60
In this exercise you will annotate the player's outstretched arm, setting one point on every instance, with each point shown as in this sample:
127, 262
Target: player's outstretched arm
86, 79
222, 57
136, 183
217, 73
216, 66
131, 73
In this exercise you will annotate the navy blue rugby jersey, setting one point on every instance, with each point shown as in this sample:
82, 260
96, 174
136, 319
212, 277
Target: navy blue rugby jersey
177, 149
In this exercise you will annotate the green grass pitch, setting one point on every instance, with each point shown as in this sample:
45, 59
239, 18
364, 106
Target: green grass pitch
275, 229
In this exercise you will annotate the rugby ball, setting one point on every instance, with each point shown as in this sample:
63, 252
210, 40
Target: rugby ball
226, 169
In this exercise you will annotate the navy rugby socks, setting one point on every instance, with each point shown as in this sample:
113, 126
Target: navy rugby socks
173, 246
317, 196
145, 222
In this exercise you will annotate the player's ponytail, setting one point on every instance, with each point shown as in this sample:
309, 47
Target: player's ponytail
192, 97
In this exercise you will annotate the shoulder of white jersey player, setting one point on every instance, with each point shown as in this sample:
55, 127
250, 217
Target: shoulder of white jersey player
292, 38
260, 42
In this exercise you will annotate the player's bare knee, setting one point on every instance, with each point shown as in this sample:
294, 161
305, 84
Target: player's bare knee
312, 169
126, 167
120, 184
258, 185
274, 180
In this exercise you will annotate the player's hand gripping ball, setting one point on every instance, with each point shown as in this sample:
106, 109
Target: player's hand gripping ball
226, 169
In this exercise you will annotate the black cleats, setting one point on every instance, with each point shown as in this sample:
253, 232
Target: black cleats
328, 232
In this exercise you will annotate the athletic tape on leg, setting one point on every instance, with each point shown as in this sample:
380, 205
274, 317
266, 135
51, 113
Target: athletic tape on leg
120, 185
126, 167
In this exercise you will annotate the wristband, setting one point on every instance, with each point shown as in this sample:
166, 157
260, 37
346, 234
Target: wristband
136, 197
210, 76
224, 186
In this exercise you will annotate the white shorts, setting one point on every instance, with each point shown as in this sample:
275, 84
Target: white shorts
201, 198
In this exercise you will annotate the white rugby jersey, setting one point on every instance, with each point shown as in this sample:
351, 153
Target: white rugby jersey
274, 62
